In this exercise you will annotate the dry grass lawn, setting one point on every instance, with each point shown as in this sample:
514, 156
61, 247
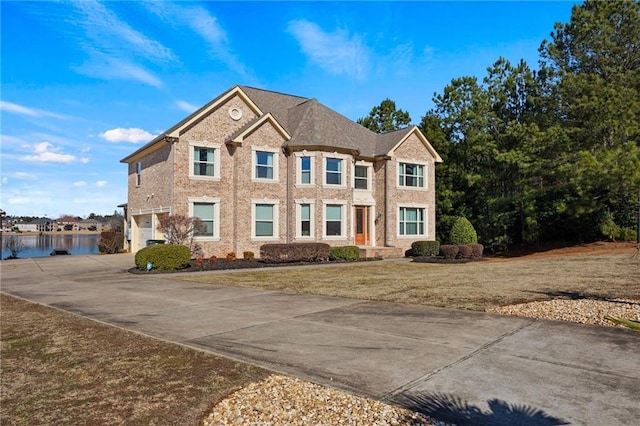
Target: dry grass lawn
58, 368
475, 285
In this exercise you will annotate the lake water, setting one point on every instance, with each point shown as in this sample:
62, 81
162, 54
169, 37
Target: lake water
42, 245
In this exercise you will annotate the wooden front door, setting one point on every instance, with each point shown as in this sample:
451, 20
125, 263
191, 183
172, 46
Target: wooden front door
362, 225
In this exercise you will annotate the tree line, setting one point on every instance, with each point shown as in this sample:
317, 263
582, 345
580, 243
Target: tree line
551, 154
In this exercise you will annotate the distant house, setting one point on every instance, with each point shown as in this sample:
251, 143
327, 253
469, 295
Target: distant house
37, 225
90, 225
68, 223
263, 167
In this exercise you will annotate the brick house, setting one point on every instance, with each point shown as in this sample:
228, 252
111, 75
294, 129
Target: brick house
262, 167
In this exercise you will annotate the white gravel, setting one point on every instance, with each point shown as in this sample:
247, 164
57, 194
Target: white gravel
584, 311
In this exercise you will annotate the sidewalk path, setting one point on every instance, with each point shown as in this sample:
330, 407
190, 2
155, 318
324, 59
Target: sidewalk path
465, 367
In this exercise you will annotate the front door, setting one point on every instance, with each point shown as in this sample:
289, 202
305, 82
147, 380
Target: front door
362, 225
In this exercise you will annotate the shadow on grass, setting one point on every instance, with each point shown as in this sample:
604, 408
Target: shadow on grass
449, 408
578, 295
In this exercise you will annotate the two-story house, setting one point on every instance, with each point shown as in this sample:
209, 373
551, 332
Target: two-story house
263, 167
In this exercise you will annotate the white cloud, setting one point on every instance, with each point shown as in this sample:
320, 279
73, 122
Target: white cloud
5, 179
31, 112
109, 68
200, 21
45, 152
336, 52
109, 33
84, 160
186, 106
115, 48
101, 183
23, 175
79, 184
29, 200
133, 135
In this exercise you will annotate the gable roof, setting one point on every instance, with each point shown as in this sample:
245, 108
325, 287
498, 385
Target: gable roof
303, 122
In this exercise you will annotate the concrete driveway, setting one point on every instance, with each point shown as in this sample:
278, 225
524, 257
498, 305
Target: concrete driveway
465, 367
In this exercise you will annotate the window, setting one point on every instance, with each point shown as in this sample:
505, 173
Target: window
333, 220
305, 170
333, 168
411, 175
138, 173
361, 178
207, 210
305, 220
206, 213
264, 219
203, 161
264, 165
204, 158
411, 220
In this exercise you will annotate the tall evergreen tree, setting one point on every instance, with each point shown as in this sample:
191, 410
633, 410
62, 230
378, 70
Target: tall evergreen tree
385, 118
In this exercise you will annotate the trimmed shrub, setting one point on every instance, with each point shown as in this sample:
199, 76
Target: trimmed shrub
294, 252
344, 253
231, 257
463, 232
248, 255
449, 251
425, 248
164, 257
213, 259
476, 251
465, 251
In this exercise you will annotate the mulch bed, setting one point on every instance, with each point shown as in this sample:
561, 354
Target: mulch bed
441, 259
223, 265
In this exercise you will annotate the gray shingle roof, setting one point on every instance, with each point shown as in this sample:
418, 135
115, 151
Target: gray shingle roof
312, 124
308, 122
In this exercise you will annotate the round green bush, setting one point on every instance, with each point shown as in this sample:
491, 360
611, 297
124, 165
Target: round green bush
350, 253
463, 232
164, 257
425, 248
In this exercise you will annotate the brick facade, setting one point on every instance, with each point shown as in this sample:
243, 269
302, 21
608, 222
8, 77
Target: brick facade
239, 132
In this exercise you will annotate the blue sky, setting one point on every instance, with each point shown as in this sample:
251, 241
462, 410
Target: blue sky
86, 83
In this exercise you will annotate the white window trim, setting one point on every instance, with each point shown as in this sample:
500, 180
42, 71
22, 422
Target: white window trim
276, 163
276, 219
343, 224
216, 216
425, 170
216, 160
312, 219
312, 173
343, 174
369, 167
426, 220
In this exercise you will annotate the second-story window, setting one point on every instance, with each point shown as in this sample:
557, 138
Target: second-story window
204, 157
305, 170
411, 175
138, 173
265, 164
333, 169
203, 161
361, 178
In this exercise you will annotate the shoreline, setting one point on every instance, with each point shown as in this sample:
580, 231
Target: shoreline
30, 233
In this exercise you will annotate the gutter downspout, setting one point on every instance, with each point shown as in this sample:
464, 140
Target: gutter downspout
287, 155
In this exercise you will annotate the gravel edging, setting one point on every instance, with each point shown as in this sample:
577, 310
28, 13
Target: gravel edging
582, 311
281, 400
